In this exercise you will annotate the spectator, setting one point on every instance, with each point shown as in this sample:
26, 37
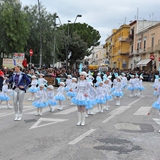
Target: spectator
24, 63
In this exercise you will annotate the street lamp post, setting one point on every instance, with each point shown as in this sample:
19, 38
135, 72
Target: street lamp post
40, 58
69, 33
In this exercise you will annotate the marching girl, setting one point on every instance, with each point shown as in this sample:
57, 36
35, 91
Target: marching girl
131, 86
156, 104
136, 85
50, 96
41, 80
140, 86
156, 84
100, 98
98, 79
80, 98
72, 92
3, 94
33, 88
124, 81
40, 102
108, 96
68, 84
91, 101
118, 91
60, 95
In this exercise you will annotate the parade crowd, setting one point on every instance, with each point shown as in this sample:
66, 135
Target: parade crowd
84, 88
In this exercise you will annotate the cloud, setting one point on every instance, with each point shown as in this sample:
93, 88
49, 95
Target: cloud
103, 15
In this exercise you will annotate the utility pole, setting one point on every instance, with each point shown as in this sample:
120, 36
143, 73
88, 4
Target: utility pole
40, 56
54, 40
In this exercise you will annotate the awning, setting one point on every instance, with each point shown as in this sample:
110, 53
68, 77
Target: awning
143, 62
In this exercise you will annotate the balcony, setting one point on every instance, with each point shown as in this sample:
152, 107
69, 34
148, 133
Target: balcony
150, 49
142, 51
157, 47
130, 38
122, 52
112, 44
122, 39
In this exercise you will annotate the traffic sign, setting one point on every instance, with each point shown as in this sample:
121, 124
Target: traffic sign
31, 52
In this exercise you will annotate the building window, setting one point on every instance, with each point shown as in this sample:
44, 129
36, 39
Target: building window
144, 44
152, 42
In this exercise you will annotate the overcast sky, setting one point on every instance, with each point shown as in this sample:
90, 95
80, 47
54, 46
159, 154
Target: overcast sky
103, 15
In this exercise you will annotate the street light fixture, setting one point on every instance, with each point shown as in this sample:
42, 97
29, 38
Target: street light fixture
67, 46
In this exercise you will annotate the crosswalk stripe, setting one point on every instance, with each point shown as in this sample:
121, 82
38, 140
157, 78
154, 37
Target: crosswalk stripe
142, 111
67, 111
157, 120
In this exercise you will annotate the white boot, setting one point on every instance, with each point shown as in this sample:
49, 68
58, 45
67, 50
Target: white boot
83, 118
79, 119
30, 99
9, 107
19, 117
71, 104
107, 108
52, 109
91, 111
16, 117
60, 108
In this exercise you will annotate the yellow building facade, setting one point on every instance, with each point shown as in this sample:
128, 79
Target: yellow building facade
118, 48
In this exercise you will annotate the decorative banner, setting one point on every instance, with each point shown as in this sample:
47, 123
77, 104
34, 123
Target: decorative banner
18, 56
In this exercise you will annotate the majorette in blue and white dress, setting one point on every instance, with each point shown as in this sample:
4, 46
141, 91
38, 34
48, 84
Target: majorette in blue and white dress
124, 80
118, 90
131, 86
42, 81
108, 95
41, 97
68, 83
51, 99
156, 104
140, 87
60, 94
72, 93
3, 94
101, 91
91, 100
33, 88
156, 84
81, 90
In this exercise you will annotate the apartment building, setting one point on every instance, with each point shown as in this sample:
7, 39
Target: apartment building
143, 38
117, 47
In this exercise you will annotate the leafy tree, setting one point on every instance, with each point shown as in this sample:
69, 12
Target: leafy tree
14, 29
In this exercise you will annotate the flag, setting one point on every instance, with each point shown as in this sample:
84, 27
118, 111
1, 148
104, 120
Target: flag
14, 62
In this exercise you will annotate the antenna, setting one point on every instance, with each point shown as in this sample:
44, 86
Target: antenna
137, 13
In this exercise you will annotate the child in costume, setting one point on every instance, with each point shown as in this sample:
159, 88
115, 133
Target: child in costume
71, 93
33, 88
3, 94
51, 100
60, 95
41, 97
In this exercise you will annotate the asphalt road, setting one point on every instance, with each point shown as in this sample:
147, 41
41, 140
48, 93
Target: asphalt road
126, 132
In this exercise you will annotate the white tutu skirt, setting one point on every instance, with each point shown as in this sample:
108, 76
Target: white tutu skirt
32, 89
71, 94
118, 94
60, 97
39, 104
141, 88
4, 98
100, 100
130, 88
51, 102
112, 89
108, 97
66, 89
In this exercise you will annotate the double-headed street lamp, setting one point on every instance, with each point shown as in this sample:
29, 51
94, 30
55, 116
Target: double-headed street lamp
69, 33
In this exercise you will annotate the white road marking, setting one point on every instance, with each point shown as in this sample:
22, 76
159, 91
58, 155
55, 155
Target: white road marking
7, 114
51, 120
108, 119
67, 111
81, 137
119, 110
157, 120
142, 111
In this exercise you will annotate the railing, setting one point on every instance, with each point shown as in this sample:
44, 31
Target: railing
157, 47
150, 49
122, 39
